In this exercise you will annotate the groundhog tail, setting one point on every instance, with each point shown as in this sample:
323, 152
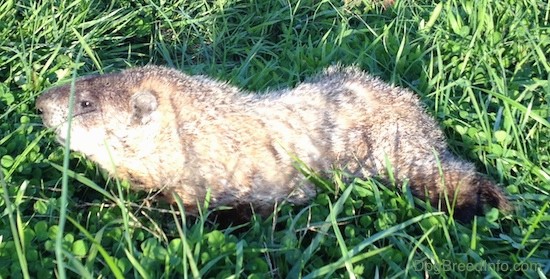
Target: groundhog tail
492, 195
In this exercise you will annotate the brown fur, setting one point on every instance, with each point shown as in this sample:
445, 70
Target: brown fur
163, 129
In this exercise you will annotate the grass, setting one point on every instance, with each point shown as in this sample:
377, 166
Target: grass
481, 67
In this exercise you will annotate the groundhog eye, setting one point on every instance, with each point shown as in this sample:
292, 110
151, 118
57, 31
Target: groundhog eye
86, 104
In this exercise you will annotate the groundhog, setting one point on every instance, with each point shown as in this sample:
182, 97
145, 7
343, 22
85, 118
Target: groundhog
162, 129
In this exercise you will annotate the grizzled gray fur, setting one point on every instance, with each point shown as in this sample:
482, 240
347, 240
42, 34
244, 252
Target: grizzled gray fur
162, 129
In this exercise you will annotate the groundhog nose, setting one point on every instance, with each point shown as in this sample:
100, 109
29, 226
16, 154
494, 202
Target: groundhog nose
39, 107
40, 104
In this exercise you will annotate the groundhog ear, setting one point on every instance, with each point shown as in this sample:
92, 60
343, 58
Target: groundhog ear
142, 104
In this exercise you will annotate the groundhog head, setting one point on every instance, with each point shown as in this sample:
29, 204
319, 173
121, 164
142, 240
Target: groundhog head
109, 113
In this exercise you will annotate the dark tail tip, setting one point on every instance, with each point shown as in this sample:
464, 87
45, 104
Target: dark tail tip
485, 192
492, 195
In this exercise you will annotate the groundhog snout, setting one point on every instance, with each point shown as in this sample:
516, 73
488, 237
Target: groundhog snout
48, 111
41, 107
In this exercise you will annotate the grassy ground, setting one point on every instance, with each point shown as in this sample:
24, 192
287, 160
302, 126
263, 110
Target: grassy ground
481, 67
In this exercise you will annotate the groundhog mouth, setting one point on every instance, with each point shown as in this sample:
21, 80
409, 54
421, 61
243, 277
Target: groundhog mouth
60, 129
60, 139
59, 135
